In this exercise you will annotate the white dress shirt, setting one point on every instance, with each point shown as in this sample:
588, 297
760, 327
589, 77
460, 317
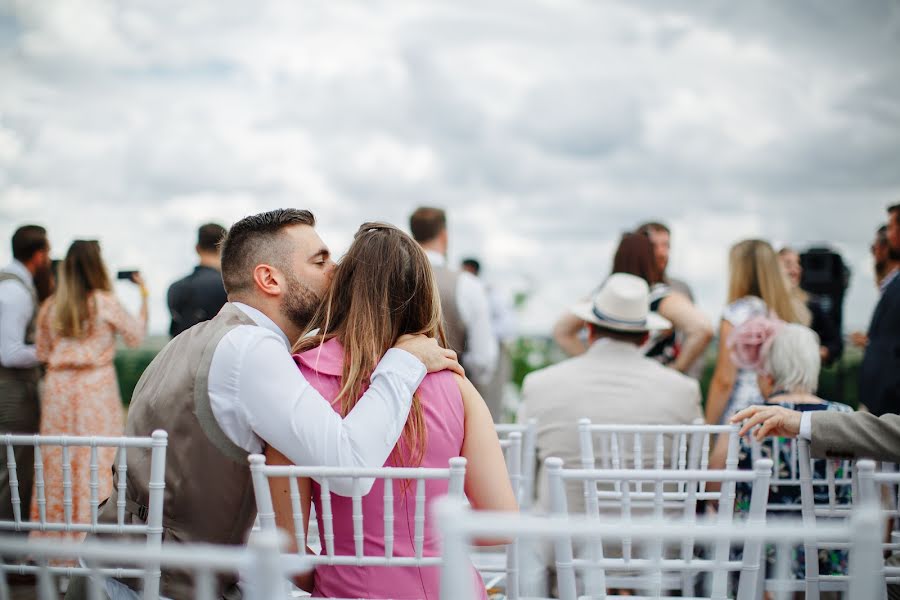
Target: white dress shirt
16, 310
480, 357
257, 393
806, 425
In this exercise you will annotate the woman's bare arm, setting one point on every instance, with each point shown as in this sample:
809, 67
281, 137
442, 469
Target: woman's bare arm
284, 512
565, 332
691, 321
723, 378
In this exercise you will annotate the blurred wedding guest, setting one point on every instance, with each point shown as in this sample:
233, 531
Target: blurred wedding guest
756, 287
819, 320
786, 361
384, 288
464, 302
613, 382
201, 295
76, 337
886, 262
19, 363
635, 256
503, 320
661, 237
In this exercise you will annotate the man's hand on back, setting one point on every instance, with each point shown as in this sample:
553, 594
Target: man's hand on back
773, 421
427, 350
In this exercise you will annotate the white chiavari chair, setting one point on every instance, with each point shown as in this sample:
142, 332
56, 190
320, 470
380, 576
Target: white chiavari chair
459, 526
260, 565
660, 493
151, 526
673, 447
499, 568
528, 462
393, 477
823, 488
871, 485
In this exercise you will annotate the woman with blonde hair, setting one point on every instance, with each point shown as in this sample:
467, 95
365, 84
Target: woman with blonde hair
384, 288
756, 287
76, 338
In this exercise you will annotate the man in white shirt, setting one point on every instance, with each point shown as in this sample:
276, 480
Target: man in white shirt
228, 387
467, 312
19, 365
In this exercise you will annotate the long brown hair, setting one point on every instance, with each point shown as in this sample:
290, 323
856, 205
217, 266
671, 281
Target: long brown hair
755, 271
635, 257
383, 288
83, 272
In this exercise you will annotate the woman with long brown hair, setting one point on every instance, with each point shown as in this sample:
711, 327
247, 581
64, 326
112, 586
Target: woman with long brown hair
635, 257
76, 338
756, 287
384, 288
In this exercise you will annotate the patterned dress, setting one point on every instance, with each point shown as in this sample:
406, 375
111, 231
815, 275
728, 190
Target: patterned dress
81, 397
745, 391
831, 562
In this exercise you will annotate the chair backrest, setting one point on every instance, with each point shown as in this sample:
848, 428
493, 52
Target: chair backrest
152, 527
459, 527
528, 461
511, 444
871, 485
261, 473
675, 494
673, 447
825, 486
260, 564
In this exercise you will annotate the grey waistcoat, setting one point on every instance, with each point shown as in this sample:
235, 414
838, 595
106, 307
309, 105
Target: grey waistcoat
454, 327
209, 496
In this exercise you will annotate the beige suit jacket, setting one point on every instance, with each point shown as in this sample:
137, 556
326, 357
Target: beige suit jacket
855, 435
613, 382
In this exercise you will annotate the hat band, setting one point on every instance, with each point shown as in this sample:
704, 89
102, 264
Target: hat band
604, 317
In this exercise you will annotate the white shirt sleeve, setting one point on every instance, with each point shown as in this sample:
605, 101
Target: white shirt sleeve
280, 406
806, 426
482, 349
16, 310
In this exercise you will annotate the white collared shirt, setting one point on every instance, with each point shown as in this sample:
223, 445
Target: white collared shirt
480, 357
16, 311
257, 393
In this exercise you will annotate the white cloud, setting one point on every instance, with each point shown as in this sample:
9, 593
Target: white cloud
546, 129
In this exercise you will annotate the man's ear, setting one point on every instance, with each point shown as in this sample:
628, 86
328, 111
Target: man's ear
268, 280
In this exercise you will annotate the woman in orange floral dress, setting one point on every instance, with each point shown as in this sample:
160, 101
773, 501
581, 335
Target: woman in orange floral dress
76, 338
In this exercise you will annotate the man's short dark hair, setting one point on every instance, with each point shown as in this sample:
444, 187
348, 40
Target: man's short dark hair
255, 240
426, 223
631, 337
472, 264
651, 226
209, 236
894, 209
28, 240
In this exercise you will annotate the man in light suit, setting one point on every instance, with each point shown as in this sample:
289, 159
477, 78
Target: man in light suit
831, 434
613, 382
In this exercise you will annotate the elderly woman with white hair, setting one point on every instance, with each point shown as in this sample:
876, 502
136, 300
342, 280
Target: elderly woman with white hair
786, 359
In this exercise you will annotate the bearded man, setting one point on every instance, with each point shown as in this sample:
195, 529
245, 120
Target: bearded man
228, 387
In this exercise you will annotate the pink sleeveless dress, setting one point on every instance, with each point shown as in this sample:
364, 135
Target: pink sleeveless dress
445, 425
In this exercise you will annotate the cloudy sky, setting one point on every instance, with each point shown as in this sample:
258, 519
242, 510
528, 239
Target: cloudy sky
545, 128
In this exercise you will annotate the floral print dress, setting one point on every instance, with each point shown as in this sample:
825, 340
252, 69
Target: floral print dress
81, 397
831, 562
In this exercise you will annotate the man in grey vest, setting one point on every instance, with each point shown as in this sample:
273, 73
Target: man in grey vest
467, 313
19, 366
228, 387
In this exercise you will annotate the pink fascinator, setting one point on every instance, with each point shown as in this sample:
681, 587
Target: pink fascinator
750, 341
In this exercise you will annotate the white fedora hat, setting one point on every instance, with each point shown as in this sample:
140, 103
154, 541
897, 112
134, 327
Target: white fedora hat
623, 304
